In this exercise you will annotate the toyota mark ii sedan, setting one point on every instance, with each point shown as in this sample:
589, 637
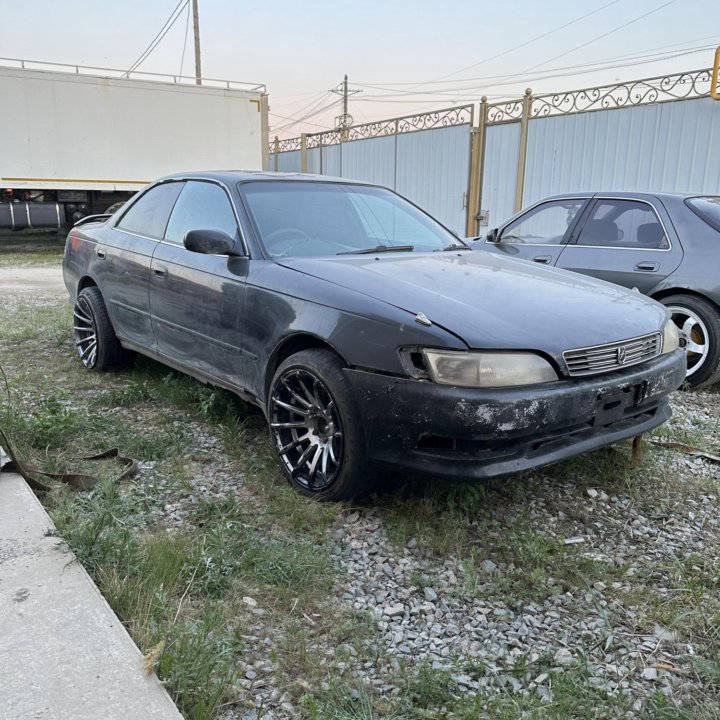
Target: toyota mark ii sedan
370, 336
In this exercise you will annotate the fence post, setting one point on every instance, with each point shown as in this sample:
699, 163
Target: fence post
522, 151
477, 164
276, 151
264, 131
303, 153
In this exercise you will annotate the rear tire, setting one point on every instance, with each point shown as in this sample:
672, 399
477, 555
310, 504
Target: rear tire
95, 340
699, 322
315, 427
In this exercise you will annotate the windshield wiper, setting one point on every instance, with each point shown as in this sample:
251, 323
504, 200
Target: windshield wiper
379, 249
456, 246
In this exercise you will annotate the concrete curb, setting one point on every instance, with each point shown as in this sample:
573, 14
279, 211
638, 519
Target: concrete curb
63, 652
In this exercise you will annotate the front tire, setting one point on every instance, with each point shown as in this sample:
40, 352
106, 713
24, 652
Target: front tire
315, 427
699, 323
95, 340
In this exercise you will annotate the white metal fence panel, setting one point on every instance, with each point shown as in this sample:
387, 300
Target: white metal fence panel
500, 172
432, 170
289, 161
371, 160
671, 146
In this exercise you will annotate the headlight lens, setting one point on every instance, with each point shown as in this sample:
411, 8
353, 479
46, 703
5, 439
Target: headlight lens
487, 369
671, 337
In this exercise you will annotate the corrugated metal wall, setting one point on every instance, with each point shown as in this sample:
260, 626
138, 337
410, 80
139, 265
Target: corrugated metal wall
433, 169
289, 161
429, 167
502, 143
672, 146
665, 146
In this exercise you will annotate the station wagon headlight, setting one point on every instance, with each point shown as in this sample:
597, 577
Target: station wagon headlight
671, 337
487, 369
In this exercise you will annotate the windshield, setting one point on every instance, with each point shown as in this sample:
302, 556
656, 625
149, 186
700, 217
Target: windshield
308, 219
708, 208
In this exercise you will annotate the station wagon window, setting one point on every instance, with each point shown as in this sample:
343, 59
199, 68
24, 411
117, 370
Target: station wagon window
201, 206
148, 216
546, 224
625, 224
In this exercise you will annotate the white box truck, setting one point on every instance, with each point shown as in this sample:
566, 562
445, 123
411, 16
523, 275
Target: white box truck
74, 140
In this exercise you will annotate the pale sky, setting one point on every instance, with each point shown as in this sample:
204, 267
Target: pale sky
457, 50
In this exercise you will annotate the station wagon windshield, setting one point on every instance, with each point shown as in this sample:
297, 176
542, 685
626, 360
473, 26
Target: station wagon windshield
310, 219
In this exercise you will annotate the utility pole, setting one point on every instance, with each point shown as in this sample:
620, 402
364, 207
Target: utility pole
344, 121
196, 30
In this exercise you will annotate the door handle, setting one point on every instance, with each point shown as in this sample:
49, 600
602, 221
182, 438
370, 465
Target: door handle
160, 272
647, 267
544, 259
100, 253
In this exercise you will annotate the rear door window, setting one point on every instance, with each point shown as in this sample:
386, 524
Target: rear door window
624, 224
148, 215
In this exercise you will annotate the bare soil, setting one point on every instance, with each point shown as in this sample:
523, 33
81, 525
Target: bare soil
31, 280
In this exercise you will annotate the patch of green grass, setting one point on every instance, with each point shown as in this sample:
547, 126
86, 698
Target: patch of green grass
48, 322
35, 256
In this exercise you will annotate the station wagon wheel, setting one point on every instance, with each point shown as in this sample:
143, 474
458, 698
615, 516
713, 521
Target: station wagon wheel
95, 339
699, 324
314, 426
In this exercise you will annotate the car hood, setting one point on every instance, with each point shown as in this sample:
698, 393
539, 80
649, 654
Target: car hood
494, 302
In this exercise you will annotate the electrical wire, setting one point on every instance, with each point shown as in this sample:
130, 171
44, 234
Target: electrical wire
305, 117
567, 71
187, 28
643, 53
528, 42
603, 35
174, 15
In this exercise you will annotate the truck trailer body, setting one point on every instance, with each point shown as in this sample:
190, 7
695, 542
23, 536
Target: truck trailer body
74, 143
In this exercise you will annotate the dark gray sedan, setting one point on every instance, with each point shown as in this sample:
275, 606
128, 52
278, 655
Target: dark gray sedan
665, 245
368, 334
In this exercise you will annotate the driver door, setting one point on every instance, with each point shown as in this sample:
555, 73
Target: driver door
540, 233
196, 300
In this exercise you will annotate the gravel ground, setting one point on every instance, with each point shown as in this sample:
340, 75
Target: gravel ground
437, 609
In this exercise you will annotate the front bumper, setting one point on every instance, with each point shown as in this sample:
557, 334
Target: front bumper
479, 433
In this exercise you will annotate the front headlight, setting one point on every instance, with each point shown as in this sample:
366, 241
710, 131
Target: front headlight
671, 337
487, 369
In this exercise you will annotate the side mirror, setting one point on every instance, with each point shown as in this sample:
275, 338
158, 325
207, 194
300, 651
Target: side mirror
209, 242
493, 236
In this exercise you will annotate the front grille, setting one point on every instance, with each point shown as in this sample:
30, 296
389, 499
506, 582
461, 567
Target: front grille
612, 356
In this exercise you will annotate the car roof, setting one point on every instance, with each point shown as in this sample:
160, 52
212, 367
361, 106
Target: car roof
631, 194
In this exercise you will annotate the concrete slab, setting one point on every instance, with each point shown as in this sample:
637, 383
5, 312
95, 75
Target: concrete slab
63, 652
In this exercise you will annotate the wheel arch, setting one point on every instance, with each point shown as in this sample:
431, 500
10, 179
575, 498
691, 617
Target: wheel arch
84, 282
667, 292
291, 345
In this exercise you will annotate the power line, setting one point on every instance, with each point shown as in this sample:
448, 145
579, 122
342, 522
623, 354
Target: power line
567, 71
389, 86
174, 15
305, 117
187, 27
603, 35
528, 42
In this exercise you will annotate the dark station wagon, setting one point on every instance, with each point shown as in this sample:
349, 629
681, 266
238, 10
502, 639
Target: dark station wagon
369, 335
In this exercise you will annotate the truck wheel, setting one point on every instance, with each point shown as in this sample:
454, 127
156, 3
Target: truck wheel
699, 323
315, 427
95, 339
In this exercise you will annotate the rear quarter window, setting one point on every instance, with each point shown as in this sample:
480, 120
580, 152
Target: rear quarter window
707, 208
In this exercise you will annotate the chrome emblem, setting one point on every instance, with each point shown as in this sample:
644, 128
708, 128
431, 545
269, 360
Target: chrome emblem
620, 353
